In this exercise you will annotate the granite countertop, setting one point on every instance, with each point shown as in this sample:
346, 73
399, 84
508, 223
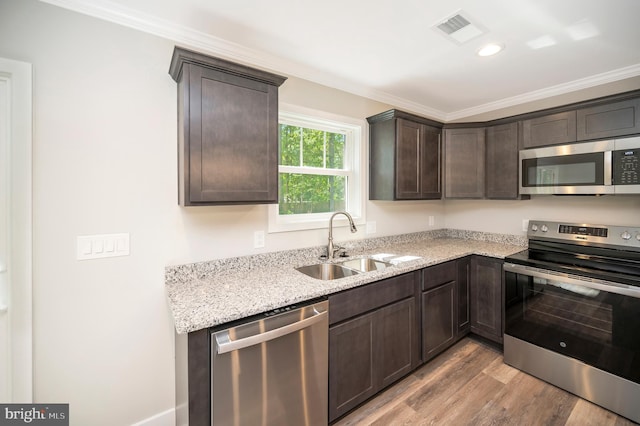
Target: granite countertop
206, 294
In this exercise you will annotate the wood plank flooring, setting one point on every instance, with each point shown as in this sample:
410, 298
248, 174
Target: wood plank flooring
470, 385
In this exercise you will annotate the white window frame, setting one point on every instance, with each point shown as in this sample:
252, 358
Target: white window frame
353, 162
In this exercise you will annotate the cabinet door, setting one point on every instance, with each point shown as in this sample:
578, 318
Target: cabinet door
615, 119
418, 156
382, 154
550, 129
408, 160
462, 295
397, 341
502, 161
486, 297
233, 139
464, 163
430, 164
351, 364
438, 319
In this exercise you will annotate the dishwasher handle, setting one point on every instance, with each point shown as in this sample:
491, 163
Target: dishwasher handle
225, 344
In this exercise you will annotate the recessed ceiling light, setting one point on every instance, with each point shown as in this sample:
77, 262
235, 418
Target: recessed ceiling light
490, 49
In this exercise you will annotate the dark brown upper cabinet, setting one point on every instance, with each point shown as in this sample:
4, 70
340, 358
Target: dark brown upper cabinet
404, 157
464, 162
609, 120
227, 131
553, 129
502, 162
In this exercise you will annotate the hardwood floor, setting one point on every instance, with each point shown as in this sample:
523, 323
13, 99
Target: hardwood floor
470, 385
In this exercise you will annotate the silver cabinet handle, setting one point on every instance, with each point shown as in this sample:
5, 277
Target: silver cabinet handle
611, 287
224, 344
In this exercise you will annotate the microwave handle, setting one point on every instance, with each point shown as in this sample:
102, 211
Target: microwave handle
608, 171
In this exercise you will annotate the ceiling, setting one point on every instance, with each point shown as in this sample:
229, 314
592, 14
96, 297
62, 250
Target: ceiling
389, 51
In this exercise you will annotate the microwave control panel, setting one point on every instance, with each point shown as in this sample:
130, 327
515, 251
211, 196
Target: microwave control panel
626, 167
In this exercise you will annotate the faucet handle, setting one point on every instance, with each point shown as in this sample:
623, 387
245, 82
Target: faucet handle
342, 252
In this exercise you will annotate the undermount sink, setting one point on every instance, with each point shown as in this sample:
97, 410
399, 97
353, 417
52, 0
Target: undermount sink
327, 271
334, 271
365, 264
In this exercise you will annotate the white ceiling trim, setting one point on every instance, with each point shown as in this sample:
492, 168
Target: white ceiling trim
187, 37
206, 43
560, 89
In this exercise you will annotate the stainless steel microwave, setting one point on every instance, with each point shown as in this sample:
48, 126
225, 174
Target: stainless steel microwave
588, 168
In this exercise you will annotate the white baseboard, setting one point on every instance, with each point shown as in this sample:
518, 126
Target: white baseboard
166, 418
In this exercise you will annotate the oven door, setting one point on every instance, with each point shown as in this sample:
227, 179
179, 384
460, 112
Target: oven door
583, 168
596, 322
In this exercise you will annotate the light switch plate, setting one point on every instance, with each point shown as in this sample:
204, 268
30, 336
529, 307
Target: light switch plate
102, 245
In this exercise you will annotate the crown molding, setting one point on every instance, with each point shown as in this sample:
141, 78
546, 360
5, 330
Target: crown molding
560, 89
206, 43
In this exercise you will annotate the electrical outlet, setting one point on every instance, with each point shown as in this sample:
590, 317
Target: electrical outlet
258, 239
525, 225
371, 227
431, 221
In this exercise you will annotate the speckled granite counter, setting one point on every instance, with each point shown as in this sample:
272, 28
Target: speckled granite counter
205, 294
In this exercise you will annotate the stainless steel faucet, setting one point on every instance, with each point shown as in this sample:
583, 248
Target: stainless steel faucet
330, 248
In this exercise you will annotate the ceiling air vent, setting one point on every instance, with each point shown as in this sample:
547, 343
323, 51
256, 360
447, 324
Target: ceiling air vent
453, 24
459, 28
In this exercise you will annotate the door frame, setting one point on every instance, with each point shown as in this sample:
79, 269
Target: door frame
18, 76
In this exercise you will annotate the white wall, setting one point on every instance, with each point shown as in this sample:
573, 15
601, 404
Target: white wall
506, 216
104, 161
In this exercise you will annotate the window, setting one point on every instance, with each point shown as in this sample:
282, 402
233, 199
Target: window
319, 170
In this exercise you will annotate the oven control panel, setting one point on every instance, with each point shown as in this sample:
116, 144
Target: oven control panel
615, 236
583, 230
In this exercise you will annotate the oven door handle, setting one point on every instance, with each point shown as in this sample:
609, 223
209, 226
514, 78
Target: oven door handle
608, 286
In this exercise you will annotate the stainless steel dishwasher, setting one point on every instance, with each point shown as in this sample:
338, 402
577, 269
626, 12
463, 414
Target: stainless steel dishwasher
272, 370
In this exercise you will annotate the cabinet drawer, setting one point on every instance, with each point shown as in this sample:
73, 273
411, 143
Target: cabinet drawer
368, 297
434, 276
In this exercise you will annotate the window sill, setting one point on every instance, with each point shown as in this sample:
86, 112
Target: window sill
279, 223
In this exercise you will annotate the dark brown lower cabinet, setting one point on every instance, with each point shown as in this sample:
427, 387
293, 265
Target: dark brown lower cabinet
486, 297
377, 346
397, 340
351, 364
463, 280
445, 306
439, 327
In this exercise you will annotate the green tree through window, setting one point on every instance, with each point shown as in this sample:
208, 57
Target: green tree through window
320, 184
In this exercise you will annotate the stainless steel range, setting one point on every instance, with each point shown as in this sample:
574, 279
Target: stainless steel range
572, 311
